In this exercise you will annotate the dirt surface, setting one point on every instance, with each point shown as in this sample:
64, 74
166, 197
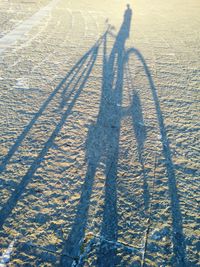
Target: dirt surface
99, 133
14, 12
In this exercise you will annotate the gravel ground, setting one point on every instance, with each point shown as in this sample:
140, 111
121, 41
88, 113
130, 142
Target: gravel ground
14, 12
99, 133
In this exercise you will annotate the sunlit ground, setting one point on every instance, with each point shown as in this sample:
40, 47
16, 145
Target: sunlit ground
99, 133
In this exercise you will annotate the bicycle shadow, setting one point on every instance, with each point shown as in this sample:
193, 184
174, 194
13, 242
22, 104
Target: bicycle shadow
103, 142
103, 146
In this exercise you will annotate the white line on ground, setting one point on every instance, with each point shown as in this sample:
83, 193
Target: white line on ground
5, 258
17, 33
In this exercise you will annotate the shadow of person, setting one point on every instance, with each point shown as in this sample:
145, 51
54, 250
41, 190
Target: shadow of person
127, 20
102, 146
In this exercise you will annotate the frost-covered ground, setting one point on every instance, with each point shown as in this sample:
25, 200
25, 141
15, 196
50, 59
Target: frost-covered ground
14, 12
99, 133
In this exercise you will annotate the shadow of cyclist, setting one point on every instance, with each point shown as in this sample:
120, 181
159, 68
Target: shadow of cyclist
103, 146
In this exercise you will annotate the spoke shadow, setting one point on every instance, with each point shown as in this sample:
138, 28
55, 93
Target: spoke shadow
75, 86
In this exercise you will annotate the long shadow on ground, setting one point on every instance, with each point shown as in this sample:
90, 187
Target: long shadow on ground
80, 73
103, 144
68, 79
